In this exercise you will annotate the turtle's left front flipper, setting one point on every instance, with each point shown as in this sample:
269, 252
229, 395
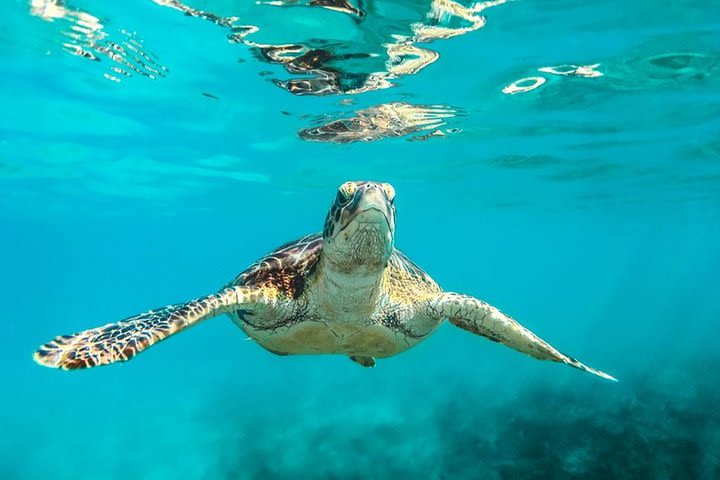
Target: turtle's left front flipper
483, 319
119, 342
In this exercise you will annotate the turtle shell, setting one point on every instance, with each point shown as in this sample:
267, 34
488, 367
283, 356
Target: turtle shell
287, 268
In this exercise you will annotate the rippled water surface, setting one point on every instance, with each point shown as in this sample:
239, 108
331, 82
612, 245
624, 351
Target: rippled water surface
558, 159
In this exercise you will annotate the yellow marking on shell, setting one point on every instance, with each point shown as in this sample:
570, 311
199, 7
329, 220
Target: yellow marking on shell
403, 287
269, 293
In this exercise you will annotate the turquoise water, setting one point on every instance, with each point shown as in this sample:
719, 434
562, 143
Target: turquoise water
151, 150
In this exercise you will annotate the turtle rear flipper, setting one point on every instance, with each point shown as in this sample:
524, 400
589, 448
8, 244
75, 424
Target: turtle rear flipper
364, 361
121, 341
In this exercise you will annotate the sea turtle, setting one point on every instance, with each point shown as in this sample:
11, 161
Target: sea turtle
345, 291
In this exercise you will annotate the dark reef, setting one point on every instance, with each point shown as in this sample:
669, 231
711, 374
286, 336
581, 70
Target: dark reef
657, 425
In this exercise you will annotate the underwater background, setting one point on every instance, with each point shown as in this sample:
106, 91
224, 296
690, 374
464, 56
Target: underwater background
558, 159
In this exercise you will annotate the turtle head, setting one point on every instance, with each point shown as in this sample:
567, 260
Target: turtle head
359, 229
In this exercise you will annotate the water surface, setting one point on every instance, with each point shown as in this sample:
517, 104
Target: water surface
557, 159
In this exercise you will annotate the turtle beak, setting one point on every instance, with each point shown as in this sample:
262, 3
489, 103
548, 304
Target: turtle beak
370, 205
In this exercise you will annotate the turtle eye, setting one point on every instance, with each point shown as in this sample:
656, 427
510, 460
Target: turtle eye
389, 192
345, 192
341, 198
349, 188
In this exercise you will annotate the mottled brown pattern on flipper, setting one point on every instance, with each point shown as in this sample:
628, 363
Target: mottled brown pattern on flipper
481, 318
121, 341
285, 269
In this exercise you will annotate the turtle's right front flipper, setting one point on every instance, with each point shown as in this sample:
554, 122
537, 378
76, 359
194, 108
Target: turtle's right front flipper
119, 342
